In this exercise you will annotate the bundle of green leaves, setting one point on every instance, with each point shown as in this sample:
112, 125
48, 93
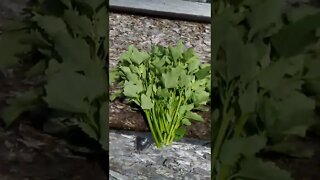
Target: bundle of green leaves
265, 56
67, 39
168, 83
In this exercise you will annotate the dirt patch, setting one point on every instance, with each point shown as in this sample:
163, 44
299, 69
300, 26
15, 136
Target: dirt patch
121, 117
300, 168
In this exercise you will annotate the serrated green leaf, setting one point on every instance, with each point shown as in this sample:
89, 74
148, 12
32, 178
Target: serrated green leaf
170, 79
37, 39
66, 91
200, 97
270, 77
17, 106
177, 51
193, 64
203, 72
146, 102
74, 52
97, 79
51, 25
10, 47
131, 89
101, 23
293, 38
254, 168
234, 148
138, 57
264, 15
79, 24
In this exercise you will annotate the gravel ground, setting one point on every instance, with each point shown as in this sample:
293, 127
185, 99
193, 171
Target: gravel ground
143, 31
188, 159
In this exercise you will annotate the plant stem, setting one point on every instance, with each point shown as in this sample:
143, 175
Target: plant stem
151, 128
226, 118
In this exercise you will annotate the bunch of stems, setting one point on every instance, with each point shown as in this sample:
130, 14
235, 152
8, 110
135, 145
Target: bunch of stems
164, 119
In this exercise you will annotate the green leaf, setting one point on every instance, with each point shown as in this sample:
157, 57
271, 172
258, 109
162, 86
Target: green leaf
248, 98
37, 69
18, 105
294, 149
131, 89
234, 148
194, 116
146, 102
67, 91
295, 14
93, 4
89, 130
115, 95
293, 38
203, 72
193, 64
264, 15
10, 47
253, 168
179, 133
97, 79
138, 57
51, 25
186, 122
176, 52
170, 79
79, 24
113, 76
185, 108
101, 23
74, 52
288, 116
200, 97
271, 76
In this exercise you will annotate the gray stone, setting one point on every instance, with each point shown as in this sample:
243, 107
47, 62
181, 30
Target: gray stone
181, 160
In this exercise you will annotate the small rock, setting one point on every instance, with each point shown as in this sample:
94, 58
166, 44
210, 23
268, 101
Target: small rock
118, 176
206, 156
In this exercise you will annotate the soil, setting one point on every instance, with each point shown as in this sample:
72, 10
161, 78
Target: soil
122, 117
300, 168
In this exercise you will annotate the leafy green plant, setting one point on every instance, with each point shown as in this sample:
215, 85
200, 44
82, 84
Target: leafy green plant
67, 39
264, 54
168, 83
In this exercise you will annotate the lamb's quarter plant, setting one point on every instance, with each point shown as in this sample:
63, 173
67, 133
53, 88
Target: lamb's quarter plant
168, 83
